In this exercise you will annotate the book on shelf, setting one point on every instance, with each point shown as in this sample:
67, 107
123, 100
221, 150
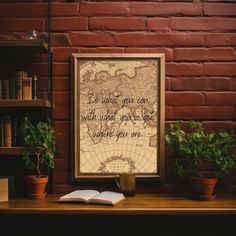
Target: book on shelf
14, 130
7, 131
34, 87
1, 97
19, 79
93, 196
12, 87
6, 89
27, 88
1, 132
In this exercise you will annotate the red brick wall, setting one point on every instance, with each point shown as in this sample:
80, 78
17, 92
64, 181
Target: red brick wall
198, 38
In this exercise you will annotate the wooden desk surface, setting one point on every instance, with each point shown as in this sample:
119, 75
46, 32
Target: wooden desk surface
141, 204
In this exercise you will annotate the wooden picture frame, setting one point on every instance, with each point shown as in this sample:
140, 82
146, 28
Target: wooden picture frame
118, 121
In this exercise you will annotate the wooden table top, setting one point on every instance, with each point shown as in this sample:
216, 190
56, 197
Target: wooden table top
141, 204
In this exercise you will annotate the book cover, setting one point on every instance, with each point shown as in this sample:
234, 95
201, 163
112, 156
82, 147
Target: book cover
7, 131
27, 88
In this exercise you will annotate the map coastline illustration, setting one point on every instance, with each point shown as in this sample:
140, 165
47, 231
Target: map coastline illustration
118, 116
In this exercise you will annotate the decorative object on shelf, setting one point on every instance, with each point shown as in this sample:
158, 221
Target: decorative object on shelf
126, 184
39, 143
33, 34
118, 115
200, 149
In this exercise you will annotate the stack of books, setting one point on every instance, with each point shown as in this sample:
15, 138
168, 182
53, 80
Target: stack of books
20, 87
10, 133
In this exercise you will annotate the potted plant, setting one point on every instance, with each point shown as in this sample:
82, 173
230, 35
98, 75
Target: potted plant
201, 148
39, 143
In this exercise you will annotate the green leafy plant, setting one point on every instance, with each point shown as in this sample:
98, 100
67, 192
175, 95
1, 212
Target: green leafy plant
199, 146
39, 141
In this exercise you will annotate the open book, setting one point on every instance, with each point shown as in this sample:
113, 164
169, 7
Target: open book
93, 196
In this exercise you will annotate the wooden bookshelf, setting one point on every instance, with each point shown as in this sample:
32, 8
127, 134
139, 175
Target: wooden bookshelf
24, 45
11, 150
41, 103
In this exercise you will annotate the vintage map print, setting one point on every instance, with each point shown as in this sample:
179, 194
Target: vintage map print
117, 113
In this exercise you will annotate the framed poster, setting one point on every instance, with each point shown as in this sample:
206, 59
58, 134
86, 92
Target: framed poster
117, 115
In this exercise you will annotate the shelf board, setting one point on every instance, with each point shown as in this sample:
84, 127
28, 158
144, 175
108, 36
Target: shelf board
11, 150
40, 103
31, 45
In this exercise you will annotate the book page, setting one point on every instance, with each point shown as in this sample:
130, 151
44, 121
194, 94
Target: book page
79, 195
107, 197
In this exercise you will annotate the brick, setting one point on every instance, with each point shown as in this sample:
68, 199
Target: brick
117, 23
65, 9
203, 112
61, 126
184, 98
103, 8
199, 84
221, 9
233, 84
21, 25
168, 112
204, 24
220, 98
92, 39
61, 113
203, 54
102, 50
37, 9
167, 84
60, 40
61, 69
183, 69
153, 9
220, 39
219, 69
61, 178
219, 125
63, 54
61, 98
167, 51
161, 24
61, 165
158, 39
61, 84
69, 23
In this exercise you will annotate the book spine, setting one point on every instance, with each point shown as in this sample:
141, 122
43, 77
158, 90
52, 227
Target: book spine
14, 131
6, 89
19, 138
13, 88
7, 131
1, 133
1, 90
19, 78
27, 88
34, 87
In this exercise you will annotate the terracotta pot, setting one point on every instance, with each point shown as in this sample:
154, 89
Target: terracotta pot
203, 188
36, 186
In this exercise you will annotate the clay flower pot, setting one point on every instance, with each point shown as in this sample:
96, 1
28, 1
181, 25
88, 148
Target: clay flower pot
36, 186
203, 188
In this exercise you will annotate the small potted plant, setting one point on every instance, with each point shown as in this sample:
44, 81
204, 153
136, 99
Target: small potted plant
201, 148
39, 143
